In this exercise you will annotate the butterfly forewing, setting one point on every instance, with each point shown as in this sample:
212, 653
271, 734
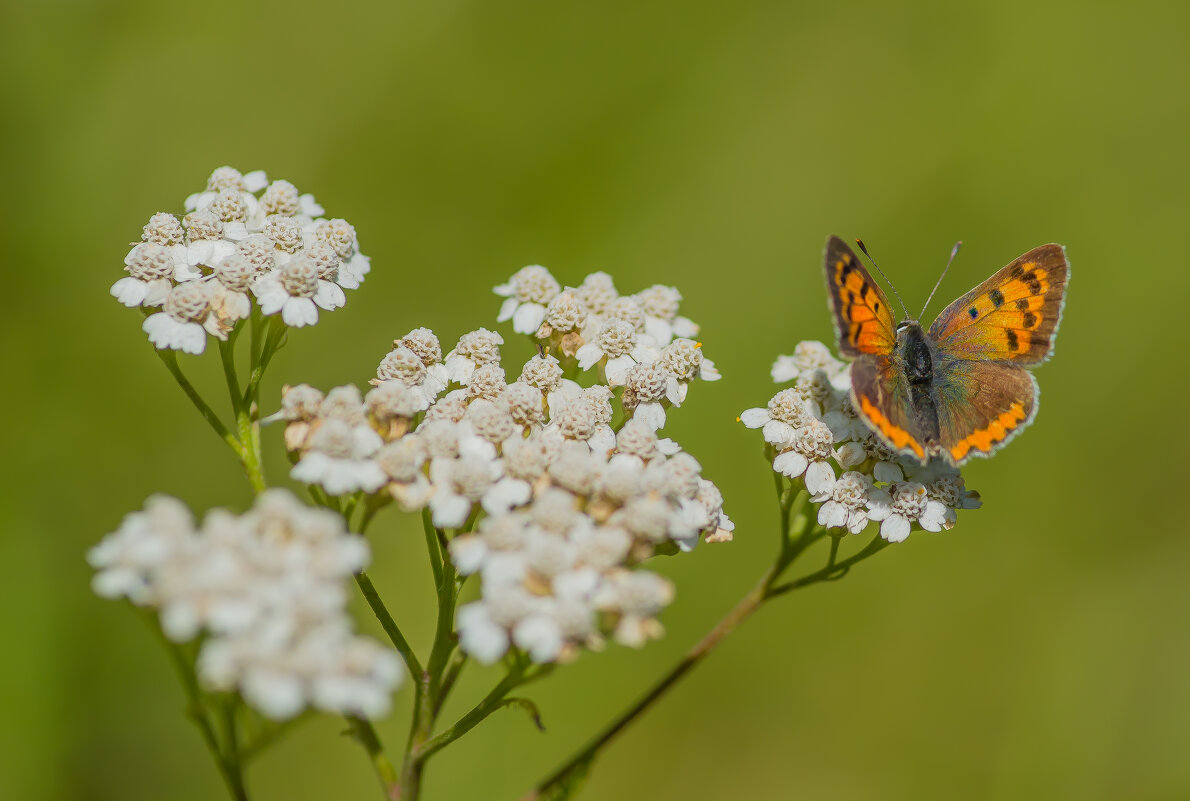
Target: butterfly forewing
1012, 316
862, 319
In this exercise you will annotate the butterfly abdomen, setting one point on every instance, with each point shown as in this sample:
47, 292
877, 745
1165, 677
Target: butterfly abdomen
917, 357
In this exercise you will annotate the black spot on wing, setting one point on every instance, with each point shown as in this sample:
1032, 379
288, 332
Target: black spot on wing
1030, 278
997, 298
1030, 319
1022, 304
974, 312
1016, 271
1012, 340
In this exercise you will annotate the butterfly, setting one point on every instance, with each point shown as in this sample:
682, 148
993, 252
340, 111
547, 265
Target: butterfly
961, 388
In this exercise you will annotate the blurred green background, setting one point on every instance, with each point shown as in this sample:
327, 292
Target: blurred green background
1037, 651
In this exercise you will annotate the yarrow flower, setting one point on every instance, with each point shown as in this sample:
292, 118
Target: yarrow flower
237, 244
537, 493
811, 428
267, 589
640, 341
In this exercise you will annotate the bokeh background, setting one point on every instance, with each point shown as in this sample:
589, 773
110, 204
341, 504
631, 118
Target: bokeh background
1038, 651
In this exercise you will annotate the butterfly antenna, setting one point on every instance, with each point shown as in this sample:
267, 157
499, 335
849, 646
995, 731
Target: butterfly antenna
864, 248
953, 252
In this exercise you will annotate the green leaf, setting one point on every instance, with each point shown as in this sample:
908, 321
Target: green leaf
528, 706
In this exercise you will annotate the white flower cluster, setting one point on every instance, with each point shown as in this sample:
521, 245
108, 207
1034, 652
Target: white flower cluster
637, 341
242, 237
546, 500
266, 588
812, 428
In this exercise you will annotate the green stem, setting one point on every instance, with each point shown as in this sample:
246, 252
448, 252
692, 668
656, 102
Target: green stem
833, 571
227, 354
229, 765
249, 431
170, 359
365, 733
432, 547
257, 333
272, 343
458, 660
429, 686
390, 626
490, 703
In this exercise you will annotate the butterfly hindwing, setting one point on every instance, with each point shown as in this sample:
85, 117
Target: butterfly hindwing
881, 396
862, 319
1012, 316
981, 405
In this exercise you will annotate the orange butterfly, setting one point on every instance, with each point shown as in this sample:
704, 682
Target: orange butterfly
959, 389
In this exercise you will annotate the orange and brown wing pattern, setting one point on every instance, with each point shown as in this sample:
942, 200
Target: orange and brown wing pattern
981, 406
1012, 316
881, 396
862, 319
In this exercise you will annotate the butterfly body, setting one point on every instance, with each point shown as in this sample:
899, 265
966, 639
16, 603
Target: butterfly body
960, 388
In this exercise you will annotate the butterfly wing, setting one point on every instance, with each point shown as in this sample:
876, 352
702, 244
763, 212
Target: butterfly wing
862, 319
1012, 316
984, 340
981, 405
881, 395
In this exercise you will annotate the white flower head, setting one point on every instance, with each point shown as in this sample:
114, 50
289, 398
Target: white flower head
618, 347
527, 294
565, 313
127, 561
282, 197
474, 349
462, 481
164, 229
402, 461
807, 455
807, 356
684, 360
662, 321
647, 389
409, 367
225, 180
339, 458
185, 320
902, 505
787, 411
597, 293
845, 502
150, 269
297, 292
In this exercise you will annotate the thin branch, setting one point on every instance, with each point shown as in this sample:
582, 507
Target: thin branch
365, 733
490, 703
388, 624
170, 360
